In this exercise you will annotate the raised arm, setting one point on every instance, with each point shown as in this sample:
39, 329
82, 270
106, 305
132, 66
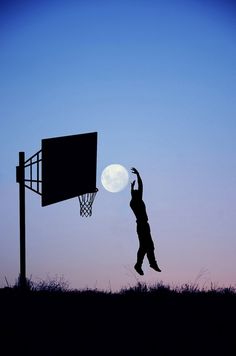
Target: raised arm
140, 183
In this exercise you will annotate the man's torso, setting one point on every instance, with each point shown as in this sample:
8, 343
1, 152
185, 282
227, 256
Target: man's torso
139, 209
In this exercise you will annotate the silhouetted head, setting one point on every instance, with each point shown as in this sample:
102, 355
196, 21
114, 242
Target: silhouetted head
135, 193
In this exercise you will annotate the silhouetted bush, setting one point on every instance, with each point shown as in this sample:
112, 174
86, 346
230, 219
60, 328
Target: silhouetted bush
57, 284
139, 320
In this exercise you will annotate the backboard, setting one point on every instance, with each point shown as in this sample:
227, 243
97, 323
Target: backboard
69, 166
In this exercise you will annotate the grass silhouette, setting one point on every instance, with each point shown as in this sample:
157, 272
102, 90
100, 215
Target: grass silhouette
49, 318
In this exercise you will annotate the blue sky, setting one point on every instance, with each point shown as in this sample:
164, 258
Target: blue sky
156, 80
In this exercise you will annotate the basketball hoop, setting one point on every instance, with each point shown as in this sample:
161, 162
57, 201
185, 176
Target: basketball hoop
86, 202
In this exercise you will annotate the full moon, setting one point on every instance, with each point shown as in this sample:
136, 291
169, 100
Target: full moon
114, 178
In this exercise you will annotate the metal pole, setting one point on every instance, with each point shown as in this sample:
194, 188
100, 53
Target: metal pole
21, 181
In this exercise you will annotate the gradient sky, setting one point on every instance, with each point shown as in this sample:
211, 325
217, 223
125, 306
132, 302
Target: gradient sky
156, 80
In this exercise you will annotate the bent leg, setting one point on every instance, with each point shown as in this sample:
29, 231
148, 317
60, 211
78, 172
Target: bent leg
152, 260
151, 256
140, 256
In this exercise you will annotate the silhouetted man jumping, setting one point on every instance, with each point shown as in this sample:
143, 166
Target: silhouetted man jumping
146, 245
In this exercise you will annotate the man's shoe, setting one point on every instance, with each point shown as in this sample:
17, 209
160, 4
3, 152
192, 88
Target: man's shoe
155, 267
138, 269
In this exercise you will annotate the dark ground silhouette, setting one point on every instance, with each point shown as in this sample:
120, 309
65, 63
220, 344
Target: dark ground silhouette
146, 245
136, 321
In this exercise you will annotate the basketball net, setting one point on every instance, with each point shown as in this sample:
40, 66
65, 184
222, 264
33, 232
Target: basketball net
86, 202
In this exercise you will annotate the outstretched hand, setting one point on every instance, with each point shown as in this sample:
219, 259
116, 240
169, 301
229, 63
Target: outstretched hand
132, 184
134, 170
